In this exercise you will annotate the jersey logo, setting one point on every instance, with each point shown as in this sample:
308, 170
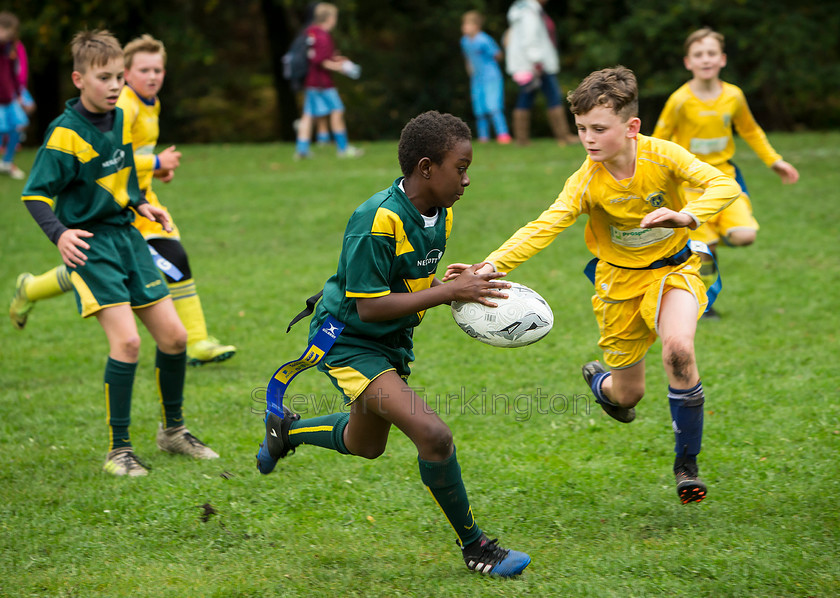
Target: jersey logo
431, 260
117, 160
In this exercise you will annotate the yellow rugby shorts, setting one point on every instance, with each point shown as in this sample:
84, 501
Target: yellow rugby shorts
626, 306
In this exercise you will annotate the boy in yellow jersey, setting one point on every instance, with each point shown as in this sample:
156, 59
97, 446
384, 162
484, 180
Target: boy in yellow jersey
699, 116
646, 277
145, 59
81, 190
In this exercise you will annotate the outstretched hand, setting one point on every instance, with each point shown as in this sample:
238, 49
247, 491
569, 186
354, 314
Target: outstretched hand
454, 270
475, 283
667, 218
156, 214
169, 159
164, 175
786, 171
70, 245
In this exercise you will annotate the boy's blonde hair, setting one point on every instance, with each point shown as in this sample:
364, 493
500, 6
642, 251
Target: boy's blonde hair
323, 11
146, 44
473, 16
614, 87
94, 48
701, 34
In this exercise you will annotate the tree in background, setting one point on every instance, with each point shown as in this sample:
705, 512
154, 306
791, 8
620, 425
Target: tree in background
227, 86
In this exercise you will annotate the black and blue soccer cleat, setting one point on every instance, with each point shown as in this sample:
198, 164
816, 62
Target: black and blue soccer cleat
276, 444
487, 557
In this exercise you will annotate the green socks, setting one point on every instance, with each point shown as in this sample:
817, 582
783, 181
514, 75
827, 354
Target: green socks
326, 431
443, 479
170, 371
119, 381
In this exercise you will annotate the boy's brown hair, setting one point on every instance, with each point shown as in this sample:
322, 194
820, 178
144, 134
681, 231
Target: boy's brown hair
146, 44
94, 48
614, 87
696, 36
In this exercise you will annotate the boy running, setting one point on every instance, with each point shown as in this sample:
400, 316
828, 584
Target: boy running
384, 284
646, 277
700, 116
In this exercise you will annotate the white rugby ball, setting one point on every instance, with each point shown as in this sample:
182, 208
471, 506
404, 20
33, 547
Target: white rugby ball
521, 319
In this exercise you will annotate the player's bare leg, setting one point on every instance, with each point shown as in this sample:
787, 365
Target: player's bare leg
617, 391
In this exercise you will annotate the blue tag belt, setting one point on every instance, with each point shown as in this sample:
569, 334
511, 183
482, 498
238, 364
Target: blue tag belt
314, 353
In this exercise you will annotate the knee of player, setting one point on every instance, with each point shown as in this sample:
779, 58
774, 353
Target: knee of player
435, 439
178, 339
129, 348
370, 451
175, 340
678, 354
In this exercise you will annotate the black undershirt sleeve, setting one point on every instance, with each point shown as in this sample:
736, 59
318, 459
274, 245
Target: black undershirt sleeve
46, 219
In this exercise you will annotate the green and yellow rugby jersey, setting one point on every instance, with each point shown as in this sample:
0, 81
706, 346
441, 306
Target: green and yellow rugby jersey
387, 248
86, 176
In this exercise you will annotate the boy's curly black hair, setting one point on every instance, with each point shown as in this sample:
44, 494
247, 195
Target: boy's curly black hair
429, 135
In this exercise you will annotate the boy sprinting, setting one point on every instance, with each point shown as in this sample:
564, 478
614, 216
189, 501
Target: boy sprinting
646, 278
700, 116
481, 54
384, 284
85, 173
145, 69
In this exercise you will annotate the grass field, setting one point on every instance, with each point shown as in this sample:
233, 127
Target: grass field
590, 500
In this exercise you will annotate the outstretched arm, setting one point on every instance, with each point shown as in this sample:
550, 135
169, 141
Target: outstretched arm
469, 286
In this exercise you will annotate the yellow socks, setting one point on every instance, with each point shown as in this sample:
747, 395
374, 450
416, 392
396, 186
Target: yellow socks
188, 305
49, 284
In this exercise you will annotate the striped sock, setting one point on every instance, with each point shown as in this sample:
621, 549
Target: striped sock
326, 431
597, 387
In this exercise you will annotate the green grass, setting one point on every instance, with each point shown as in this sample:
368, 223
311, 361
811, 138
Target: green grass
592, 501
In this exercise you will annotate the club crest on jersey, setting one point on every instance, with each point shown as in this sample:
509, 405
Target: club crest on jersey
117, 160
656, 199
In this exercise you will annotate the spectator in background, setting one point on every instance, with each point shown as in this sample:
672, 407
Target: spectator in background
320, 95
13, 119
533, 63
481, 53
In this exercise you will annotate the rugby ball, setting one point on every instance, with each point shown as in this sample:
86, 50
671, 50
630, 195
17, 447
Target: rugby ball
521, 319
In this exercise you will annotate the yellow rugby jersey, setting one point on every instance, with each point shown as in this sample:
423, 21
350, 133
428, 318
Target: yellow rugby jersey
705, 128
142, 122
616, 208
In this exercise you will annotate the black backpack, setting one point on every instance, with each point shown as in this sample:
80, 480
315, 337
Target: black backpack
296, 61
